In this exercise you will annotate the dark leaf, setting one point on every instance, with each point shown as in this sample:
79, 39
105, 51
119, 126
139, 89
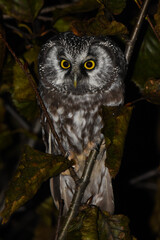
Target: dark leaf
91, 224
82, 6
23, 95
15, 82
116, 6
34, 168
151, 91
22, 10
99, 25
63, 24
148, 62
116, 121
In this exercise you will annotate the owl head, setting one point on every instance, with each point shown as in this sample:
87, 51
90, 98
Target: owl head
81, 65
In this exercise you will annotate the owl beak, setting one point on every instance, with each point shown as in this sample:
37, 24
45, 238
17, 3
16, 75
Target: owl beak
75, 80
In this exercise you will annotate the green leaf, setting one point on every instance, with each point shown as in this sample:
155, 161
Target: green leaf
116, 6
82, 6
63, 24
34, 168
116, 121
99, 25
92, 224
22, 10
23, 95
31, 55
148, 62
15, 82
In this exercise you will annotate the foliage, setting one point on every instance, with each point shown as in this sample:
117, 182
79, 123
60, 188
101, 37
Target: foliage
91, 223
27, 25
34, 168
115, 130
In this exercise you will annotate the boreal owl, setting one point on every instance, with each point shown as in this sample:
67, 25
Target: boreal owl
77, 76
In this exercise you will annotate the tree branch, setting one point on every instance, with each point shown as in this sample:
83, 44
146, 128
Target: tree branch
34, 86
139, 4
145, 176
59, 218
131, 43
78, 195
52, 8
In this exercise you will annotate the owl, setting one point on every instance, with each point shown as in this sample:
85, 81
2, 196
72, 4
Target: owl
77, 75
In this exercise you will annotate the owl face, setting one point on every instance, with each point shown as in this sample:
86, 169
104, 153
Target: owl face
79, 65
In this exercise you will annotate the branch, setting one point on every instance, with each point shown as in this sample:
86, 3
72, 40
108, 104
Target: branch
139, 4
34, 86
131, 43
43, 107
145, 176
59, 218
52, 8
78, 195
17, 117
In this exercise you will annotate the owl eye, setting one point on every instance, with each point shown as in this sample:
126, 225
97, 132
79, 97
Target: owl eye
89, 65
65, 64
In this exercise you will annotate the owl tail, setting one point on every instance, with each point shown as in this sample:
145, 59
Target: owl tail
99, 188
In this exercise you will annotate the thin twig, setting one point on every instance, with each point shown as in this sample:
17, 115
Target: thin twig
59, 218
145, 176
74, 175
34, 86
78, 195
45, 19
134, 101
52, 8
131, 43
139, 4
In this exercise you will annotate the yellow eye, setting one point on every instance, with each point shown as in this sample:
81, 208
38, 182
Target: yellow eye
65, 64
89, 65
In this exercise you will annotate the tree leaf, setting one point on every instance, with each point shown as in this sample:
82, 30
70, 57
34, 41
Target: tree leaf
34, 168
99, 25
23, 95
116, 121
63, 24
148, 62
82, 6
22, 10
93, 224
116, 6
151, 91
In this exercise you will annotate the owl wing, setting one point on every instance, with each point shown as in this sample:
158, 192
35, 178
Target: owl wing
54, 182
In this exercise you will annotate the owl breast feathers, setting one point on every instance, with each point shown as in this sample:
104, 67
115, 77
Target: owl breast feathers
77, 76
